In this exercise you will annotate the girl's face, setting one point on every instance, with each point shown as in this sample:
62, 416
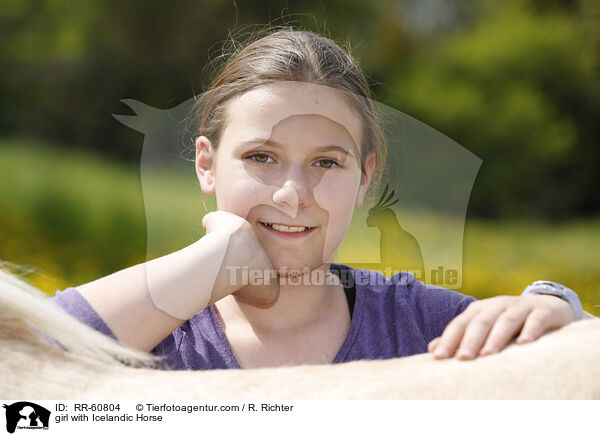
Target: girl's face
289, 163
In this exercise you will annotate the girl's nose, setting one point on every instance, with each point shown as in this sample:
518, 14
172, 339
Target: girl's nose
291, 197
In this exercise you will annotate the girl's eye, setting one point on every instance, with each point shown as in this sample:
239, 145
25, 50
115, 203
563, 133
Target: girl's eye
263, 158
328, 163
259, 157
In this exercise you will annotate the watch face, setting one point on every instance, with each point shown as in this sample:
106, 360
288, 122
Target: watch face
548, 283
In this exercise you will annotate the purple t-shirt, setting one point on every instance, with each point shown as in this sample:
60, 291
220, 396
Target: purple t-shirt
391, 318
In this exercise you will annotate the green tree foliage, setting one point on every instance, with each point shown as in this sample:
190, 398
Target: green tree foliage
518, 89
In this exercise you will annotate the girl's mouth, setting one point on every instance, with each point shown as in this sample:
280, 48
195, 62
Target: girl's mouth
287, 231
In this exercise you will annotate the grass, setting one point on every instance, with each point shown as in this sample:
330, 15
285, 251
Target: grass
73, 217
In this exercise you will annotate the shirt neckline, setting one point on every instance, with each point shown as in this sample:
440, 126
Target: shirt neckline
356, 320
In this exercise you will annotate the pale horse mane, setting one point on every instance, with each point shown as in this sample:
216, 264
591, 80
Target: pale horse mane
88, 365
27, 317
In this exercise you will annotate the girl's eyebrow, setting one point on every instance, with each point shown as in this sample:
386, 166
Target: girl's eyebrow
268, 142
257, 141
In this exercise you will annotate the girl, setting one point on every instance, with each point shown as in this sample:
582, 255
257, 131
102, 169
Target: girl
289, 144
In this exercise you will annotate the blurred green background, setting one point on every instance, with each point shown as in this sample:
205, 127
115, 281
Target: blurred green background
517, 82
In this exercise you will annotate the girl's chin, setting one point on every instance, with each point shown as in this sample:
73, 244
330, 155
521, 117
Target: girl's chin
291, 269
295, 263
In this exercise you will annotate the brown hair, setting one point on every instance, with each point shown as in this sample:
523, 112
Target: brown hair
292, 55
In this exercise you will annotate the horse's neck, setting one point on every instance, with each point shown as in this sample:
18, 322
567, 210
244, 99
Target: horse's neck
562, 364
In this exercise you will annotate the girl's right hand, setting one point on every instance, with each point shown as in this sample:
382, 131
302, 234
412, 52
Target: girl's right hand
243, 251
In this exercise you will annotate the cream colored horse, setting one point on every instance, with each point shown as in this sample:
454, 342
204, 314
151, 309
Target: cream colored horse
562, 364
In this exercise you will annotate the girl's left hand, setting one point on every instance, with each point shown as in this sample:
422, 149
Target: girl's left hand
487, 326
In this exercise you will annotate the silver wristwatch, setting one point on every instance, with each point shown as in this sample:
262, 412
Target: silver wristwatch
547, 287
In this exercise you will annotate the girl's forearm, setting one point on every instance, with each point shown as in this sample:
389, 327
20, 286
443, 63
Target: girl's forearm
145, 303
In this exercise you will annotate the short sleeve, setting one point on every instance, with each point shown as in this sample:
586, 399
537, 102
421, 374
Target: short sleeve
72, 302
436, 307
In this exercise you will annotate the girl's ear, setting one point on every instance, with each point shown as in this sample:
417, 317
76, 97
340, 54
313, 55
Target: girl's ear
370, 161
204, 165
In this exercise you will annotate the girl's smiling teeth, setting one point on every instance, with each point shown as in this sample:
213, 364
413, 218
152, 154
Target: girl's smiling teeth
285, 228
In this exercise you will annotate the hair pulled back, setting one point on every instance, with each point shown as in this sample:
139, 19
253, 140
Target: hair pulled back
292, 55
